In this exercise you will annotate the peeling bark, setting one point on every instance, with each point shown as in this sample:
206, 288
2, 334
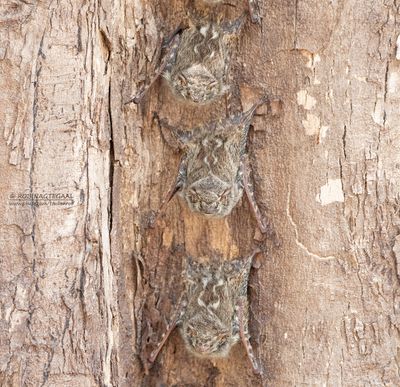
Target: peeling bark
87, 288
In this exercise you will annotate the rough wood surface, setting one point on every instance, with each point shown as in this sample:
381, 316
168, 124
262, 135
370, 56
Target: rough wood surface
87, 289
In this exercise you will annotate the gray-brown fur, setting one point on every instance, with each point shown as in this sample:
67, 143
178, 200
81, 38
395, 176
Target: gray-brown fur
197, 62
214, 170
213, 315
201, 65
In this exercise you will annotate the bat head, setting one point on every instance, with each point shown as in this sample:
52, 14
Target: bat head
197, 84
212, 197
207, 337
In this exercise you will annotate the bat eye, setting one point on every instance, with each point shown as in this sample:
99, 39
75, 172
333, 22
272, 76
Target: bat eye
182, 80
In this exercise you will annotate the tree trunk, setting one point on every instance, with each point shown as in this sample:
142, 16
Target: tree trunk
87, 288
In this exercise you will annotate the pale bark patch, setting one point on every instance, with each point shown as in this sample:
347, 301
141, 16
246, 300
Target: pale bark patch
331, 192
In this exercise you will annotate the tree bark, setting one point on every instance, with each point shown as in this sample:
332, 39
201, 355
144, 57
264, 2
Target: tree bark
87, 288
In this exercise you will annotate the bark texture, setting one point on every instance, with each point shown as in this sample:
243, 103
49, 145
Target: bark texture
87, 289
